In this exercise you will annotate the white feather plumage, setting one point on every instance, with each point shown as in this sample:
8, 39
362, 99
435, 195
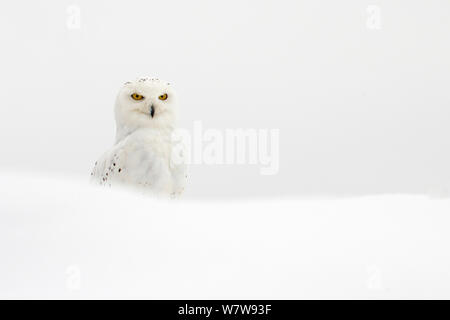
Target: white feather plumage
142, 154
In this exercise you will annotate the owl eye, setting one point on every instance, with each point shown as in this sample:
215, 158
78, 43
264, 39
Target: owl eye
136, 96
163, 96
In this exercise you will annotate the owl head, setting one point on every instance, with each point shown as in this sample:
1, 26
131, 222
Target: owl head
145, 103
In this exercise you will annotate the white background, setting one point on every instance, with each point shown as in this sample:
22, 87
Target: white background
360, 110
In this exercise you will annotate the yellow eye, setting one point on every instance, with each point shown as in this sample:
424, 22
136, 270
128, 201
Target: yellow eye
163, 96
136, 96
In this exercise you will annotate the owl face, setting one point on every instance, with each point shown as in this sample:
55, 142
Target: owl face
146, 102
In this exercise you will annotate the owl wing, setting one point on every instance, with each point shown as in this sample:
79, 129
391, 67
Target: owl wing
135, 164
178, 167
110, 167
179, 175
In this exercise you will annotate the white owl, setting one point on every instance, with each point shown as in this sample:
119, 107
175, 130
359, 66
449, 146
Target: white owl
142, 156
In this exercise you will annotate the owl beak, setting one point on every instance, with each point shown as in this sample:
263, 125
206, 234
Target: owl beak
152, 111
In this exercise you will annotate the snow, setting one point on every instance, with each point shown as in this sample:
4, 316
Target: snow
62, 238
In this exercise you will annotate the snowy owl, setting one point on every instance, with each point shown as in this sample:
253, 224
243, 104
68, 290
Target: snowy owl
142, 157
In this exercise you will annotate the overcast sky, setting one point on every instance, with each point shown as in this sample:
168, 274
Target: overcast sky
359, 90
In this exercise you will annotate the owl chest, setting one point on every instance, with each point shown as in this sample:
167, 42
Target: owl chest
142, 154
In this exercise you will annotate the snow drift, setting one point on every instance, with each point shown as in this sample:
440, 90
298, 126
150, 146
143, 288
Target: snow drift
61, 238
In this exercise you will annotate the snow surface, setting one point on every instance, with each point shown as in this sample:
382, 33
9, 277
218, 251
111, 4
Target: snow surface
61, 238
